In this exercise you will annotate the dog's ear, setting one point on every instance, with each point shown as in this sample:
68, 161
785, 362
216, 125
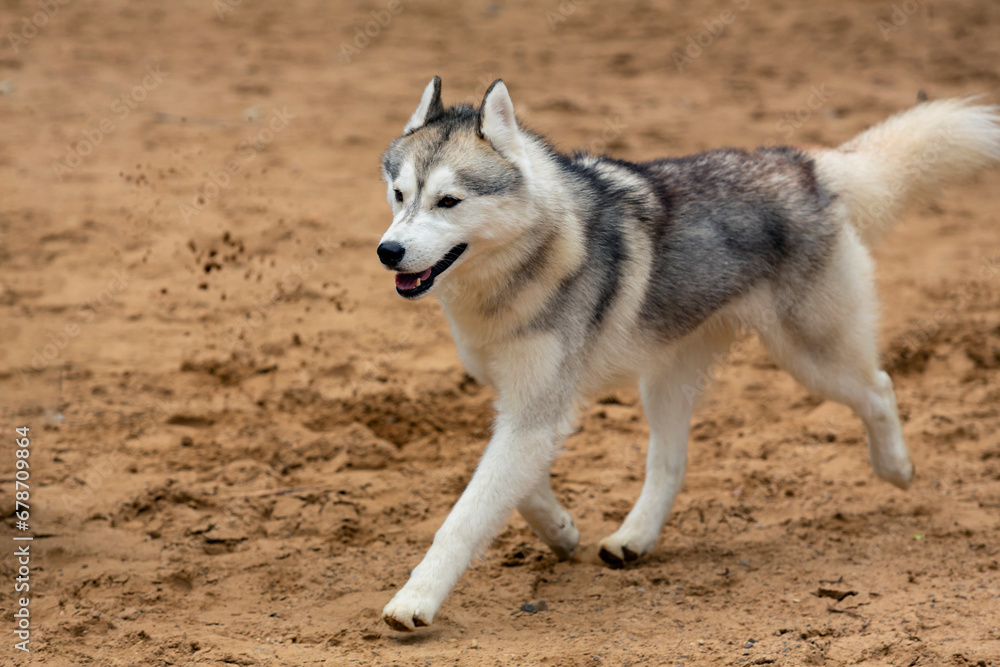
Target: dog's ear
430, 106
497, 123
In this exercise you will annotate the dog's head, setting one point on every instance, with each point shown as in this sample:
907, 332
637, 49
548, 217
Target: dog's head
454, 181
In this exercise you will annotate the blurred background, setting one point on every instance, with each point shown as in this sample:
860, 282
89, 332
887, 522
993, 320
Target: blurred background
243, 439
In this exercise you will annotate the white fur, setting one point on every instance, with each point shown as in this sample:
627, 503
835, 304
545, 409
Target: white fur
426, 230
499, 124
417, 119
908, 158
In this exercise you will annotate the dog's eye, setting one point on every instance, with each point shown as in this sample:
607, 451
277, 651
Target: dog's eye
399, 195
448, 201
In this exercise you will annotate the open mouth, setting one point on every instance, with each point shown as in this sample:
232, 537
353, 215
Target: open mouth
412, 285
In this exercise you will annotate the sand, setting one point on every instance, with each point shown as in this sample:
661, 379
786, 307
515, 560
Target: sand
242, 439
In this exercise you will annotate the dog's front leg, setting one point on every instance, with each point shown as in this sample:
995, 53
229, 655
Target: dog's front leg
516, 461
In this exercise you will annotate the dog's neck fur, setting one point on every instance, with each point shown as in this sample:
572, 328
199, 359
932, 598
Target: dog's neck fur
517, 280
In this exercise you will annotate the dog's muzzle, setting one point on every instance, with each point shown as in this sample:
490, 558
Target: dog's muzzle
412, 285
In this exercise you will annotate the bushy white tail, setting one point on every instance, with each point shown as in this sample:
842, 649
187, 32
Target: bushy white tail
907, 159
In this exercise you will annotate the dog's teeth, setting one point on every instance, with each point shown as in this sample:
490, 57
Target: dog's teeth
418, 284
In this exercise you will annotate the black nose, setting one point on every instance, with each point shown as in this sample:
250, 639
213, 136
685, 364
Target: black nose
391, 253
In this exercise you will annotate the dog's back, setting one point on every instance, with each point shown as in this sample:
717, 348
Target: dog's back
722, 222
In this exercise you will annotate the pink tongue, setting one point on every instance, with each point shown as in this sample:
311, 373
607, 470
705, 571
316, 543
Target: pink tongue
408, 281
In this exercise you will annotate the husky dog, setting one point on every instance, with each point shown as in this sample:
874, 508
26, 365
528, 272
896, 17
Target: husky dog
561, 275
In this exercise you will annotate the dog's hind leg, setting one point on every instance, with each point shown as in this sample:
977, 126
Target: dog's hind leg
549, 521
668, 397
826, 340
868, 392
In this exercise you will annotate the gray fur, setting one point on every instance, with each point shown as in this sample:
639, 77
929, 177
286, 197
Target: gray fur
450, 134
527, 271
722, 230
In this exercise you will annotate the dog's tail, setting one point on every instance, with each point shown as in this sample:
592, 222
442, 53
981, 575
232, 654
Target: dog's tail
907, 159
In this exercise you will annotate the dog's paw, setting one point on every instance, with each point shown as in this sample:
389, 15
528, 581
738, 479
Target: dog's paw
405, 614
899, 474
398, 625
564, 540
617, 555
893, 464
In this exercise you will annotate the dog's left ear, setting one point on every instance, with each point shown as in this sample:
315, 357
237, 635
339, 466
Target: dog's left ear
430, 106
497, 123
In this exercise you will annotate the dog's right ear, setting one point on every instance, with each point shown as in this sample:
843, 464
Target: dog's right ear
497, 123
429, 107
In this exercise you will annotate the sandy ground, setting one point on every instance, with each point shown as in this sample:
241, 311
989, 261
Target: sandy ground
242, 439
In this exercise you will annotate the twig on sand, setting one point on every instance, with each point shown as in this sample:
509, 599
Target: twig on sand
280, 492
850, 612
